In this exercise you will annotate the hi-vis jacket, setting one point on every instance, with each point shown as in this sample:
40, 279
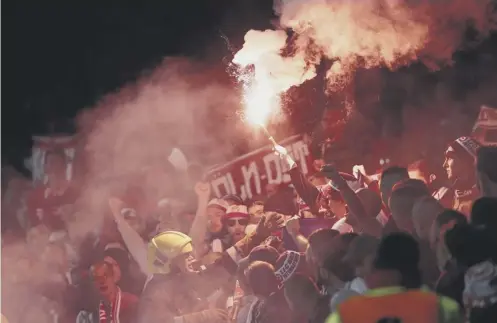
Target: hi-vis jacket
397, 305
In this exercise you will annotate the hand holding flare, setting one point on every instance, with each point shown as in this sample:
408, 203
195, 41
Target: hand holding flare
280, 150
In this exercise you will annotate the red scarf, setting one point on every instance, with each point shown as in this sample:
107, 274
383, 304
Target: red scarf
114, 310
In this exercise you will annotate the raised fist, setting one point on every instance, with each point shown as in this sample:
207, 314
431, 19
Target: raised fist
203, 190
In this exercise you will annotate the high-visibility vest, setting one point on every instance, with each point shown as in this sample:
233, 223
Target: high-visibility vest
403, 306
407, 307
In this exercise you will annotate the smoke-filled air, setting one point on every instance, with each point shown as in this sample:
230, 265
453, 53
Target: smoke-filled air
128, 138
360, 34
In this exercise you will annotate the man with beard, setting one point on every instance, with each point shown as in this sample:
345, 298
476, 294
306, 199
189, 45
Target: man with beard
236, 220
459, 164
174, 290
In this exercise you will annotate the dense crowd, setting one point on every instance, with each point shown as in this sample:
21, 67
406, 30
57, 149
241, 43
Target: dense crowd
386, 249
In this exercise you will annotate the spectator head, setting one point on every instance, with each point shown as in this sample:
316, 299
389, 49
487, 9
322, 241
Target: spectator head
261, 279
301, 294
480, 292
419, 170
404, 195
484, 213
424, 212
119, 257
446, 218
470, 245
444, 221
216, 210
331, 199
334, 269
236, 221
105, 274
389, 177
318, 248
233, 199
370, 200
396, 262
256, 211
361, 253
486, 171
260, 253
288, 264
460, 158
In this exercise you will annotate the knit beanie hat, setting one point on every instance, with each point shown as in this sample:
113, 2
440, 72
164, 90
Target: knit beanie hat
465, 148
289, 263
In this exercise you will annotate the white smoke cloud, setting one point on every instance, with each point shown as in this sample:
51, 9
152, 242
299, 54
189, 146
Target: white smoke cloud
369, 33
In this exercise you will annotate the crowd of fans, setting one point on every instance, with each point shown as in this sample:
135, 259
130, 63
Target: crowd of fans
395, 249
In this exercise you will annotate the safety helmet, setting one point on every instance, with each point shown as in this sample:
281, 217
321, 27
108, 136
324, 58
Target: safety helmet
164, 247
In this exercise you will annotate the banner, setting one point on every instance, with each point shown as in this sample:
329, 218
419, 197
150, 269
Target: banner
485, 127
248, 175
44, 144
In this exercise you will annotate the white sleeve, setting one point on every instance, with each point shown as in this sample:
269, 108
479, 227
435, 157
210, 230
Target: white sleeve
135, 244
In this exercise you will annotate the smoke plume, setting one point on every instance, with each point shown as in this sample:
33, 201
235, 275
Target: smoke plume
362, 34
127, 137
131, 143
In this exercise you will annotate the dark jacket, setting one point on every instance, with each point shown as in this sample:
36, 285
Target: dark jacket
451, 282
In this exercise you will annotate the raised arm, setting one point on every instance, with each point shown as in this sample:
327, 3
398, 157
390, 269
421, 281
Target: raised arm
198, 229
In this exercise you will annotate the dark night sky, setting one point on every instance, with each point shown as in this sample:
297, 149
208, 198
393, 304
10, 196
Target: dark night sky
59, 57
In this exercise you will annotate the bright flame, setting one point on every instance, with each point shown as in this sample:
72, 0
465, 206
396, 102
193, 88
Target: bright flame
260, 102
272, 76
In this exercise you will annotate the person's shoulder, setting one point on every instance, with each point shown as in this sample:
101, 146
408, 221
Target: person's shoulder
448, 304
334, 318
129, 298
449, 310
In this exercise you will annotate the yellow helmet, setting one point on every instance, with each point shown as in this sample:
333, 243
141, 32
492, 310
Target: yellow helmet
164, 247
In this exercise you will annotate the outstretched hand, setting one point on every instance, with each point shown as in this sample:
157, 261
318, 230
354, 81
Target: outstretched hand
280, 150
333, 174
270, 222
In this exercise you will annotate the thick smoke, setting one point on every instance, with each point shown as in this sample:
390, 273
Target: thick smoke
127, 139
363, 34
130, 143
